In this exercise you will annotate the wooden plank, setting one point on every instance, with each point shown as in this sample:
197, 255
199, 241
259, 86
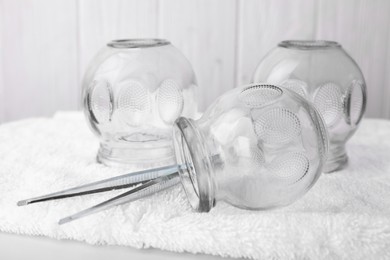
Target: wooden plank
101, 21
263, 24
205, 31
2, 87
39, 57
362, 27
386, 84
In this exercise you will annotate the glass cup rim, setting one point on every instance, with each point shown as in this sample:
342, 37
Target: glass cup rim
309, 44
137, 43
197, 176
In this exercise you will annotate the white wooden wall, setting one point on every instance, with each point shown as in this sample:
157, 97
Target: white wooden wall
45, 45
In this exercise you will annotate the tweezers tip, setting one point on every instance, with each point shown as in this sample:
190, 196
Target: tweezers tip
22, 203
65, 220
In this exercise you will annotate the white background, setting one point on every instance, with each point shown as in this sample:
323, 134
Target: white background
45, 45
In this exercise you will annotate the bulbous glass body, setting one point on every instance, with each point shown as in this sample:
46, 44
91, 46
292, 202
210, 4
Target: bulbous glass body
256, 147
133, 91
323, 73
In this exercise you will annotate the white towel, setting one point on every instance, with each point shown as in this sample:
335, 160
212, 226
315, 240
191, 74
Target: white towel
346, 215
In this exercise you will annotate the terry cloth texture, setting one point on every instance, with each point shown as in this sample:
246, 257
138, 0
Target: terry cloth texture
346, 215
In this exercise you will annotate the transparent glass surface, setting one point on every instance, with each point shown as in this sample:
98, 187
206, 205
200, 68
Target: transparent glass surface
133, 91
322, 72
257, 147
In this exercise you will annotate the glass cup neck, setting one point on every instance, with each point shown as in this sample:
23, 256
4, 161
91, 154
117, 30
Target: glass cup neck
197, 171
137, 43
309, 45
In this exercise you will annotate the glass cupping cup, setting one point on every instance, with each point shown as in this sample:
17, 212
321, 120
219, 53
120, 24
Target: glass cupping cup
256, 147
133, 91
323, 73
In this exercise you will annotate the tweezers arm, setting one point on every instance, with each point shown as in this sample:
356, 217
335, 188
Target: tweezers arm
137, 193
119, 182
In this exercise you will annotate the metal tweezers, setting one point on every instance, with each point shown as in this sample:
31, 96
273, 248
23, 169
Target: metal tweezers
149, 181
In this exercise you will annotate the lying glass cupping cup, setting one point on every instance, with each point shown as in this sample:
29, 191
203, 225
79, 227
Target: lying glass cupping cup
133, 91
256, 147
322, 72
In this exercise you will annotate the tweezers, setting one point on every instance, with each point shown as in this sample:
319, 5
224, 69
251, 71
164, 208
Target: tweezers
149, 181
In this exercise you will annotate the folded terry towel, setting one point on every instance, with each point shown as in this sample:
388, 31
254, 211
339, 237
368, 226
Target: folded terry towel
345, 216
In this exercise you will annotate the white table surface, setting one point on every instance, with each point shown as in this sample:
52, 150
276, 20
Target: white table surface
26, 247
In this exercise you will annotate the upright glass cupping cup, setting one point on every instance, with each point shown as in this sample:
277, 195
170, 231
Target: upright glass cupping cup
322, 72
257, 147
133, 91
